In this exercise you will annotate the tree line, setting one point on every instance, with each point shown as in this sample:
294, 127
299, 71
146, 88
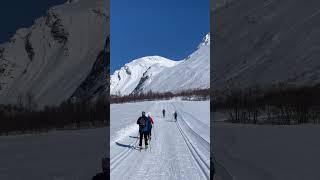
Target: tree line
280, 105
25, 117
195, 94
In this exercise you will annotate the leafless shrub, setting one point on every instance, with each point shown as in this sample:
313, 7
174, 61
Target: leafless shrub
199, 94
281, 105
26, 118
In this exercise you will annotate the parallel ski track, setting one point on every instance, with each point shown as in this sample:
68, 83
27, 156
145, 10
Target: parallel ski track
116, 160
206, 143
225, 174
205, 168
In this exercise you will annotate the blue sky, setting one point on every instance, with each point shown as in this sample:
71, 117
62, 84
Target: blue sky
14, 15
169, 28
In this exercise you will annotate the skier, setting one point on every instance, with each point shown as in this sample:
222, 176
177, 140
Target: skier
105, 170
175, 115
151, 125
144, 126
164, 113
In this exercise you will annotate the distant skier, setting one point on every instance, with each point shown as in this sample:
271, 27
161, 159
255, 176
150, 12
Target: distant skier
175, 114
151, 125
144, 127
163, 113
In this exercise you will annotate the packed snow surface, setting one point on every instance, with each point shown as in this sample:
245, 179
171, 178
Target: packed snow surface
63, 155
177, 150
158, 74
265, 152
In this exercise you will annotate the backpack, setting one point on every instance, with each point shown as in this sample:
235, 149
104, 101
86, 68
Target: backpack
142, 122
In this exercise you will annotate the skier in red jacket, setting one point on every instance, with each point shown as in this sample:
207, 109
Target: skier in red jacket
152, 123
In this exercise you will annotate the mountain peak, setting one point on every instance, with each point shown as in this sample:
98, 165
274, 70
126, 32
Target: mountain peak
153, 58
205, 41
150, 60
59, 41
160, 74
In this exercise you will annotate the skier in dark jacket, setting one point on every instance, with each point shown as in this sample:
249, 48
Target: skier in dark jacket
175, 115
163, 113
144, 127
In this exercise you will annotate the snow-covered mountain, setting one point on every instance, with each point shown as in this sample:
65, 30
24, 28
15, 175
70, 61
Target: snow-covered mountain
158, 74
265, 43
132, 75
53, 58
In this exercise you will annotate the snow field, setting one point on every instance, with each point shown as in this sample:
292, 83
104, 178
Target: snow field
250, 152
57, 155
177, 150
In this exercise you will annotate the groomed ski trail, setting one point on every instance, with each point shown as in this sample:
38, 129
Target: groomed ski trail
228, 165
177, 150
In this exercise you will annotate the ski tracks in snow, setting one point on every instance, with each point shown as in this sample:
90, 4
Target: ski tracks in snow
176, 151
231, 167
201, 157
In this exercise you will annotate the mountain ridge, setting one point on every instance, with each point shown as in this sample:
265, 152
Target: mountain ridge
157, 77
51, 58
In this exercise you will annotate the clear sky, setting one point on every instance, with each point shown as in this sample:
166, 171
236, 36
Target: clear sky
169, 28
17, 14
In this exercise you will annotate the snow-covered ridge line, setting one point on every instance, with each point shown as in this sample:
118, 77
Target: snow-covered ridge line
55, 55
205, 41
159, 74
125, 80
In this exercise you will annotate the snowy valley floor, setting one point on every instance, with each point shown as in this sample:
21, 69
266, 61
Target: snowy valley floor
258, 152
177, 150
57, 155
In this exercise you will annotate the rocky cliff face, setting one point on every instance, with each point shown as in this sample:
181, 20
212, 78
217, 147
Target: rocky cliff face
55, 58
97, 82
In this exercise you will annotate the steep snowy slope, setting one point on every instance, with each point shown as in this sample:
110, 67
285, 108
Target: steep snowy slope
191, 73
97, 82
143, 75
266, 42
133, 74
52, 58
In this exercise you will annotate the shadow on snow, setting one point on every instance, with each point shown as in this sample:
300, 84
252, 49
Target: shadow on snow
125, 145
